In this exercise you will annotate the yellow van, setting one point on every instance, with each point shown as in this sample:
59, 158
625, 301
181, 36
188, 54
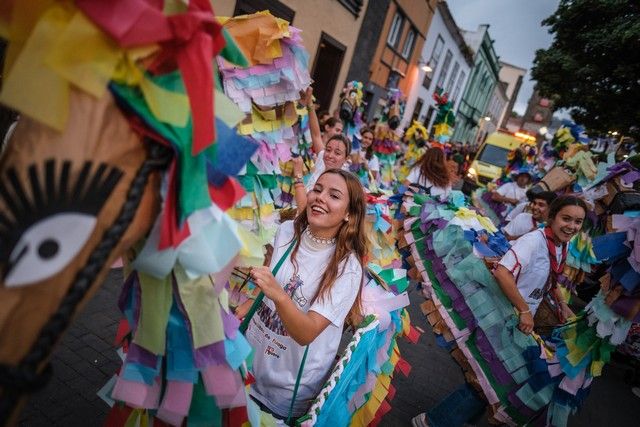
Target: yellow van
491, 158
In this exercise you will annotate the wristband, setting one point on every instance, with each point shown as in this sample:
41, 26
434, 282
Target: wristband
523, 312
298, 181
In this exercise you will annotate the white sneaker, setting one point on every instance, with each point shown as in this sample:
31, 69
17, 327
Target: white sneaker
420, 420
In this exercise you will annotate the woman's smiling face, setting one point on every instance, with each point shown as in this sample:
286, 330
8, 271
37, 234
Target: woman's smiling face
335, 154
567, 222
327, 204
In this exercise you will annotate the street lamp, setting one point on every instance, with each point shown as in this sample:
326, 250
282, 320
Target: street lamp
424, 66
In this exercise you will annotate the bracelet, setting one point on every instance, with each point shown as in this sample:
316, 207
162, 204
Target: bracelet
298, 182
524, 312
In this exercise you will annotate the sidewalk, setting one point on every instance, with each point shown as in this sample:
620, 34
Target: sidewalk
86, 359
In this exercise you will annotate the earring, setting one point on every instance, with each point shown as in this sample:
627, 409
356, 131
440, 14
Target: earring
347, 219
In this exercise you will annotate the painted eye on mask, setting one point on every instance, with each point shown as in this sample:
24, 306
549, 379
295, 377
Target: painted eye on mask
353, 95
47, 247
51, 220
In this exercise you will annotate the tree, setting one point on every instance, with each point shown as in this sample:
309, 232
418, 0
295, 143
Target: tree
592, 67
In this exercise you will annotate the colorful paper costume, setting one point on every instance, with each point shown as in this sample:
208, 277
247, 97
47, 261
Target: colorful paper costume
386, 140
416, 138
445, 117
350, 110
83, 186
524, 379
267, 92
359, 388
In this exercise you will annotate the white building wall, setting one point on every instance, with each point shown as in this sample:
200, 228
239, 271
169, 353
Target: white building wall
418, 91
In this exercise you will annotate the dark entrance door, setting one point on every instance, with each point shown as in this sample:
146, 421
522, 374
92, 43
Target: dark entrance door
279, 9
326, 69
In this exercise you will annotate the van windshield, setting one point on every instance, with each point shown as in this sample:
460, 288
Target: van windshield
494, 155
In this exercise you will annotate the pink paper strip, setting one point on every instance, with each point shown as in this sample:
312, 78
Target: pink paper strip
136, 394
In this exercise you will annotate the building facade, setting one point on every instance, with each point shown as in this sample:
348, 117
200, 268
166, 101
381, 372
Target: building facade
330, 31
512, 75
495, 108
479, 87
388, 48
448, 61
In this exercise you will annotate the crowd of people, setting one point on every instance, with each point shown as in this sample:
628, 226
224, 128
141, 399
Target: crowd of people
251, 244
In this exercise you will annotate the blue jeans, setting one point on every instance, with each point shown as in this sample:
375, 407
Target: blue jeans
458, 408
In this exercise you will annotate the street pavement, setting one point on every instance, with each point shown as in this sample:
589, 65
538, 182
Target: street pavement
85, 359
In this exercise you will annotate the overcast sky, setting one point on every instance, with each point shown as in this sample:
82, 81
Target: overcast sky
515, 27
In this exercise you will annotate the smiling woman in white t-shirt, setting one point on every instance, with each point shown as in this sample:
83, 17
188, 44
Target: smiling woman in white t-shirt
530, 268
308, 300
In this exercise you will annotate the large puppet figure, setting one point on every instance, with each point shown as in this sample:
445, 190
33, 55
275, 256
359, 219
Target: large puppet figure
117, 137
386, 139
350, 110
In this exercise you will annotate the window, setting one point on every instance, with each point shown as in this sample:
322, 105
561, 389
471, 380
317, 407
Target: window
393, 80
353, 6
494, 155
396, 29
445, 69
452, 78
417, 110
458, 88
433, 61
408, 44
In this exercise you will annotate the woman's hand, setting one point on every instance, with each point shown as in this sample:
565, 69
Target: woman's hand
263, 278
526, 323
297, 166
306, 97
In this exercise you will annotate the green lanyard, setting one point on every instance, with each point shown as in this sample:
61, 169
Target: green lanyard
254, 307
252, 311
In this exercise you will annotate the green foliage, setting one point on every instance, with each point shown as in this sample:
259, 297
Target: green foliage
593, 65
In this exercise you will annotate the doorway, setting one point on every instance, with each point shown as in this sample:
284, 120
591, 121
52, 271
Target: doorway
277, 8
326, 69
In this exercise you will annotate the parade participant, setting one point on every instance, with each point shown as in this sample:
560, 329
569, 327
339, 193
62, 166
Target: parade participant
529, 269
514, 192
525, 222
364, 160
307, 301
332, 154
432, 173
322, 117
331, 126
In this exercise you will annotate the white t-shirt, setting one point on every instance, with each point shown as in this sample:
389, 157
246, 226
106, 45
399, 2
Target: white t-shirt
440, 192
517, 210
512, 191
521, 224
373, 164
277, 356
531, 252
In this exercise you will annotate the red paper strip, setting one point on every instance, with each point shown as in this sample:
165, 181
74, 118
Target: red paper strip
123, 330
404, 367
227, 194
392, 393
171, 234
191, 39
413, 335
